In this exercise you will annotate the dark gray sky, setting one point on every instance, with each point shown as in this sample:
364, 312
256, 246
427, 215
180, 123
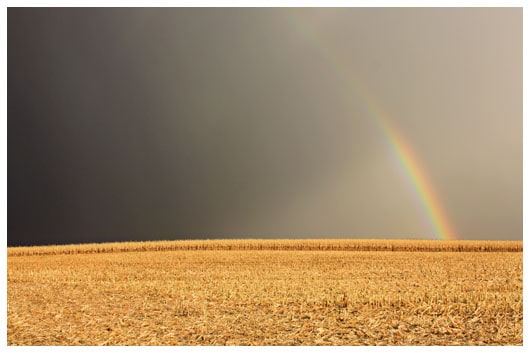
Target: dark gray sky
177, 123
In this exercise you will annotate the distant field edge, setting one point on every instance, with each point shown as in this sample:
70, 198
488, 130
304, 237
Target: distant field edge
277, 244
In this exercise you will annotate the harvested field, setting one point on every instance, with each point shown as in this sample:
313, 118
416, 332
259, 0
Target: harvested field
310, 295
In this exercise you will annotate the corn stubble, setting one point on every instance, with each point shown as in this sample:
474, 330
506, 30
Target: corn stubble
299, 296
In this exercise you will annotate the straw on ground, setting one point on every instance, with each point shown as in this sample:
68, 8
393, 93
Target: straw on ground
320, 292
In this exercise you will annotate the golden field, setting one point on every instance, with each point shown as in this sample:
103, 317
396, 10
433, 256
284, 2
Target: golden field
267, 292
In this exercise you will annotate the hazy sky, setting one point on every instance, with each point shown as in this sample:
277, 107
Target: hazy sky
137, 124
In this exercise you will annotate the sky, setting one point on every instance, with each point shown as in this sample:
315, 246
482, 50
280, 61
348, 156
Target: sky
181, 123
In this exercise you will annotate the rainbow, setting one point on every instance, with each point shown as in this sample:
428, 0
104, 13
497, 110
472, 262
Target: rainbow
417, 176
402, 152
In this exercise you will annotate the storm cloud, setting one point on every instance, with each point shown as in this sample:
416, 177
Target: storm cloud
178, 123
